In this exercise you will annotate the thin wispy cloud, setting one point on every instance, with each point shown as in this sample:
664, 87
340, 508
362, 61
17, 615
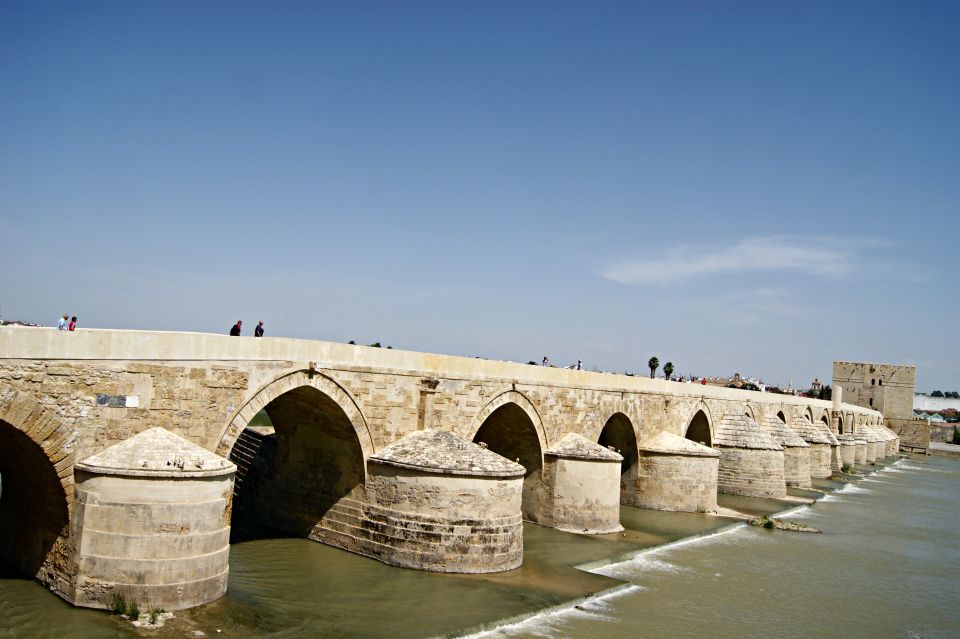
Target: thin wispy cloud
818, 256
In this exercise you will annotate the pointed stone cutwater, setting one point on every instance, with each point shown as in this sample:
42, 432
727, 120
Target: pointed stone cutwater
441, 503
893, 444
873, 443
860, 441
675, 473
796, 451
751, 461
582, 487
156, 453
848, 449
153, 523
820, 445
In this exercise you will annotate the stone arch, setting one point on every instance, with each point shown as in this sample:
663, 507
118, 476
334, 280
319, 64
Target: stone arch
840, 424
285, 383
510, 426
291, 475
699, 425
36, 470
782, 416
509, 397
619, 433
749, 411
808, 413
825, 416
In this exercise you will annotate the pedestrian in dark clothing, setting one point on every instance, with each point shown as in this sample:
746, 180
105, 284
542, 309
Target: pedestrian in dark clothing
235, 331
258, 331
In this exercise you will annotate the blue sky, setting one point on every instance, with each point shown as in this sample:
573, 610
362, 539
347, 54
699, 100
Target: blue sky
752, 187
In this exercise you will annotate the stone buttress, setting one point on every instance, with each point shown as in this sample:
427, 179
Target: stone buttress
821, 443
440, 503
675, 473
751, 461
796, 451
152, 522
848, 449
581, 487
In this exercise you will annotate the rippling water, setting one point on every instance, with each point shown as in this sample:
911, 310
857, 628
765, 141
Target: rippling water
885, 566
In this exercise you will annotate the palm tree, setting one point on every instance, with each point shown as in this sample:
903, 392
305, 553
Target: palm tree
654, 363
668, 369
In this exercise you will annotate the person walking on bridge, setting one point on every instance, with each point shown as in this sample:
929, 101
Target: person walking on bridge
62, 324
258, 331
235, 331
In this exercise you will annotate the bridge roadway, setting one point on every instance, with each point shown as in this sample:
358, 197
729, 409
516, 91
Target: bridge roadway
113, 449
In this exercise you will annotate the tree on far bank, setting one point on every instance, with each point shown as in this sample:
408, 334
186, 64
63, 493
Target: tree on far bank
668, 369
936, 394
653, 363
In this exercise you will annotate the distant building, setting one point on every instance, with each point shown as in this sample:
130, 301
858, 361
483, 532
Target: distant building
888, 388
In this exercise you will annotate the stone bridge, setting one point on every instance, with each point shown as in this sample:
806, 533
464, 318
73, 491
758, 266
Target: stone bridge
114, 449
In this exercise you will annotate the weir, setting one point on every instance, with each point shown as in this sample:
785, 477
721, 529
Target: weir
424, 461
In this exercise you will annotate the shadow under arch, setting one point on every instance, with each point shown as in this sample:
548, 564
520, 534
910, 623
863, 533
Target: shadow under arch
782, 416
34, 498
507, 428
749, 411
305, 459
618, 433
699, 426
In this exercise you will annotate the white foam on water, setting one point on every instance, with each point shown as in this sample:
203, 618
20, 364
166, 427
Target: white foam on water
646, 561
853, 489
546, 623
912, 467
826, 499
640, 564
802, 511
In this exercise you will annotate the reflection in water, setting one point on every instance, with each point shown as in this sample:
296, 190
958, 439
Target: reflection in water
882, 566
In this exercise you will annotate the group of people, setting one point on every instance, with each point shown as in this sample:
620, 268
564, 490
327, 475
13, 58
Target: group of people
236, 328
576, 367
63, 324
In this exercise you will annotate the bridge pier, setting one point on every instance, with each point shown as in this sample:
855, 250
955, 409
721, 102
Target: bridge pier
796, 452
751, 462
675, 473
152, 523
582, 487
848, 449
440, 503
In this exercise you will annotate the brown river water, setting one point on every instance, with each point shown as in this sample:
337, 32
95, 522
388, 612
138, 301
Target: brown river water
886, 565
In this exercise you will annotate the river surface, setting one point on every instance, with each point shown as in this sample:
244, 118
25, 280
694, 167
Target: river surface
886, 565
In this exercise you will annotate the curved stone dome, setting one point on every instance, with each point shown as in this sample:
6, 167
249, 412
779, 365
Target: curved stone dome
574, 446
440, 451
740, 431
783, 433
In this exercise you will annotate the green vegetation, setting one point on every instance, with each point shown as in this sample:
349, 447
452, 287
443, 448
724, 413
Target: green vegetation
825, 392
956, 435
701, 509
133, 611
654, 364
846, 468
154, 614
117, 604
770, 523
668, 369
